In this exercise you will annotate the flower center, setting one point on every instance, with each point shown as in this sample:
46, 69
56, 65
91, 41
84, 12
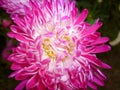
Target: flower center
58, 46
48, 48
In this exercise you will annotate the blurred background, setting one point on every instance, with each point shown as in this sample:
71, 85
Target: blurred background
109, 13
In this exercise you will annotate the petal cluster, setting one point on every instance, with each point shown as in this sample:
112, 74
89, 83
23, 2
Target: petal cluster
14, 6
57, 49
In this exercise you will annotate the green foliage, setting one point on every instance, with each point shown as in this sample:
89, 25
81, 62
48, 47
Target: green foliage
108, 11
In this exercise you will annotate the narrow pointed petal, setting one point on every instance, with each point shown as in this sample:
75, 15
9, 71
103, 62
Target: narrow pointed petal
98, 81
100, 41
18, 37
32, 82
16, 29
96, 61
92, 85
82, 17
102, 48
21, 85
92, 29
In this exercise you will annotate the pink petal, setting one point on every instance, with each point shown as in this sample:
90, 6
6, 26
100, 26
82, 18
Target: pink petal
38, 42
19, 21
99, 74
98, 81
21, 85
74, 13
16, 29
41, 86
15, 66
102, 48
20, 75
32, 68
13, 74
82, 16
32, 82
78, 53
19, 37
96, 61
92, 29
100, 41
92, 85
45, 61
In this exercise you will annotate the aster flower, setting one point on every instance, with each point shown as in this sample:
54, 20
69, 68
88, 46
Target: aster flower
57, 49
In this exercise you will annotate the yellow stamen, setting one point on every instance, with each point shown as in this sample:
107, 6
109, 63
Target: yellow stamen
47, 48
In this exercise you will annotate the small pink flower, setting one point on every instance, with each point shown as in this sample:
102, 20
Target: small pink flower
8, 49
57, 48
6, 23
14, 7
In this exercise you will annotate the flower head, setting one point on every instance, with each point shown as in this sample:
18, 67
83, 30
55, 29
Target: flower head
57, 48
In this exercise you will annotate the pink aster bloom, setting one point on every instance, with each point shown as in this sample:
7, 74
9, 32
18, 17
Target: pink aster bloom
57, 49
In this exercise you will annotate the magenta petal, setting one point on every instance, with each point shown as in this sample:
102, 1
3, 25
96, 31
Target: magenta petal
19, 21
96, 61
16, 29
78, 53
13, 74
41, 86
31, 68
20, 75
74, 13
82, 16
92, 29
100, 41
98, 81
45, 61
104, 65
92, 85
32, 82
21, 85
100, 75
102, 48
19, 37
15, 66
38, 42
11, 34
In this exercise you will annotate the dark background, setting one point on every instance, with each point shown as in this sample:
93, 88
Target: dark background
109, 13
